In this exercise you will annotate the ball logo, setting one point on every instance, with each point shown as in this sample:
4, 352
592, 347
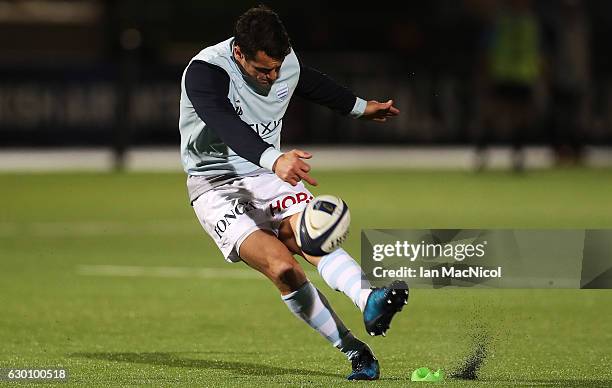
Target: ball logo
324, 206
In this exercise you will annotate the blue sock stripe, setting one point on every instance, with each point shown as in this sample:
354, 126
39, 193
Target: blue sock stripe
340, 334
356, 278
341, 330
322, 263
355, 290
328, 259
334, 338
333, 279
322, 317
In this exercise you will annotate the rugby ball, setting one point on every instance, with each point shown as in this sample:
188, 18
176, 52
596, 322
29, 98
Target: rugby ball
323, 226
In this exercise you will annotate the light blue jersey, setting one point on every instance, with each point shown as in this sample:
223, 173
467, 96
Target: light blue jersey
209, 161
202, 151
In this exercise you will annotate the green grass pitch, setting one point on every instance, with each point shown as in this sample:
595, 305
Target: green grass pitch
163, 321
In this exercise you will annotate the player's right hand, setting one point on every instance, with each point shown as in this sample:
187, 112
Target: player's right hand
292, 169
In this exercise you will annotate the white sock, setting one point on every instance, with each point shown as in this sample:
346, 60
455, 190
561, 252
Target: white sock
342, 273
308, 304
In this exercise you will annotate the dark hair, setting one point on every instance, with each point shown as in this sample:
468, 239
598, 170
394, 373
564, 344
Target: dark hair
260, 29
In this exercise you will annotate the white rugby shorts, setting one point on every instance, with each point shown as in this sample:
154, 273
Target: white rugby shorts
231, 212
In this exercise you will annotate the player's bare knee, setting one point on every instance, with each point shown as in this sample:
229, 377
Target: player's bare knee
287, 275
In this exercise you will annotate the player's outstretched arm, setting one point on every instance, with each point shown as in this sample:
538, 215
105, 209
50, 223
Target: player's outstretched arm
291, 168
321, 89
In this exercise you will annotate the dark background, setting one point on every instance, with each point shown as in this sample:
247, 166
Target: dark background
81, 73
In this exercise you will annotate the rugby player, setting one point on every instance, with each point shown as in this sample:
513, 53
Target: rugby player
247, 194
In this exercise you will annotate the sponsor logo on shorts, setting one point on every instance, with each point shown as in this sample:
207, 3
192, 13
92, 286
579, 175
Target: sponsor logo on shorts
239, 209
288, 201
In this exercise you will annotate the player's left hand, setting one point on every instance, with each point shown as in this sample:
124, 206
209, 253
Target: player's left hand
379, 111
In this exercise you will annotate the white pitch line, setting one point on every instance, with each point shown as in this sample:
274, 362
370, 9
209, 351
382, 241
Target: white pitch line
167, 272
325, 158
97, 229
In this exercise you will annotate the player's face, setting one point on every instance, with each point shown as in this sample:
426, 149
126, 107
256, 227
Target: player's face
264, 69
